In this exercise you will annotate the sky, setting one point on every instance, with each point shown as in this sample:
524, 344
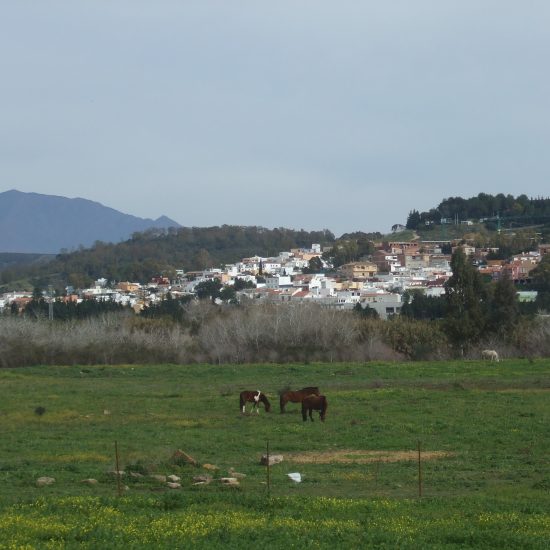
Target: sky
307, 114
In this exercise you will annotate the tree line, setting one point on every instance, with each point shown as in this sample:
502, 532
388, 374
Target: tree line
163, 251
507, 207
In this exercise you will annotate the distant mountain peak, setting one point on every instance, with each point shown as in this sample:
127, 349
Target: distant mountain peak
38, 223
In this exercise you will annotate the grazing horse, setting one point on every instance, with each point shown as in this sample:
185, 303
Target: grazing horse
297, 396
254, 397
490, 354
317, 402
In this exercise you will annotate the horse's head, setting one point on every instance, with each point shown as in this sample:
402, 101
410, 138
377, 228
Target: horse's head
266, 402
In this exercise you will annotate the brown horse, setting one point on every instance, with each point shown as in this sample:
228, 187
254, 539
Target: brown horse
296, 396
254, 397
314, 402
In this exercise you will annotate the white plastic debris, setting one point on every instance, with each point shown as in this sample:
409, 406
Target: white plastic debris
295, 476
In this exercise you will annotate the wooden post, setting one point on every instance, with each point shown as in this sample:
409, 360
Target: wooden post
119, 487
268, 472
419, 472
377, 471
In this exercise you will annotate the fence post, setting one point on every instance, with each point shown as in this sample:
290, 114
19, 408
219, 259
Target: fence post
119, 488
419, 471
268, 471
376, 473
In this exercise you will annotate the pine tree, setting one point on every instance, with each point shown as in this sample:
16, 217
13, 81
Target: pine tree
504, 311
413, 220
466, 303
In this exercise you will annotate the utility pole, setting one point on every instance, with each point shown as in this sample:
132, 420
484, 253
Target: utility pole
50, 302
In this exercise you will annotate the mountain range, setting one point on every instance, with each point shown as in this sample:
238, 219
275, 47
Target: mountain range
46, 224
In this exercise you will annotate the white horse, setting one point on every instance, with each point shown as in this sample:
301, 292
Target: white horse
490, 354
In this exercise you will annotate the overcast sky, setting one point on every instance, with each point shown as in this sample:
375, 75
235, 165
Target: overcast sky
303, 114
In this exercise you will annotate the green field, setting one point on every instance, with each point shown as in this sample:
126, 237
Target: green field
484, 433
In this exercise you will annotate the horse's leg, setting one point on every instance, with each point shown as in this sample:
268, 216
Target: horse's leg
311, 414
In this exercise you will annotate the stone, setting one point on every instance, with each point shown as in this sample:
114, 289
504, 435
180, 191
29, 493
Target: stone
210, 467
173, 485
136, 475
273, 459
119, 473
238, 475
173, 478
158, 477
90, 481
231, 481
44, 481
202, 479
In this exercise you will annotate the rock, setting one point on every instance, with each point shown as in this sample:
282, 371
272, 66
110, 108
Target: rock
202, 479
295, 476
238, 475
136, 475
174, 485
158, 477
119, 473
273, 459
90, 481
231, 481
210, 467
44, 481
106, 411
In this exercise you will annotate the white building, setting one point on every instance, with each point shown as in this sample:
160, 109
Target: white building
385, 304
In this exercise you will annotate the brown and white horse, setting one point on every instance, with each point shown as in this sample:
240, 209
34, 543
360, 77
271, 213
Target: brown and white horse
254, 397
296, 396
314, 402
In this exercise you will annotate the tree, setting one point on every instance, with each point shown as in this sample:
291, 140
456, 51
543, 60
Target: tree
315, 265
540, 281
465, 294
367, 312
241, 284
413, 221
208, 289
419, 306
504, 310
228, 294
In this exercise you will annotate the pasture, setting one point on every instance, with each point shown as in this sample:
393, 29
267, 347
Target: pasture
483, 428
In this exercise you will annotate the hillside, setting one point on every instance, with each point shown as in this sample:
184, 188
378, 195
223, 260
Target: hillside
163, 251
45, 224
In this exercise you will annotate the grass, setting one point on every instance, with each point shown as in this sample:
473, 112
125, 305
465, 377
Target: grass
486, 482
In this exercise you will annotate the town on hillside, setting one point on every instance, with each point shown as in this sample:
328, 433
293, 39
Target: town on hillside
304, 275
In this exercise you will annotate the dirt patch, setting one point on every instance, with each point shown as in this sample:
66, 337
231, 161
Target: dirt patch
361, 457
